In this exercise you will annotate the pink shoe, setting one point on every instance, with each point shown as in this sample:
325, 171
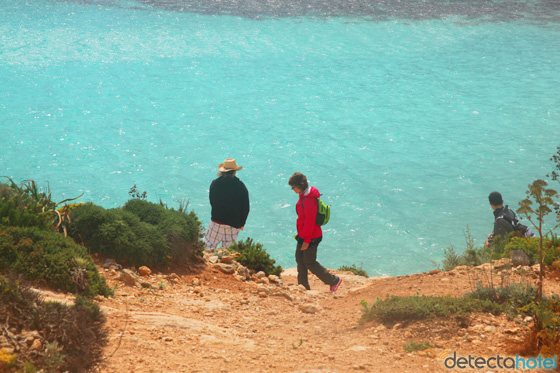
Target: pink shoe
334, 288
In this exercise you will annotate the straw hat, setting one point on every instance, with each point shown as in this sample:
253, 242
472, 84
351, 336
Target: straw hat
229, 165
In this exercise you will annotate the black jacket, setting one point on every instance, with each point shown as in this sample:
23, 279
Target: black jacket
503, 223
229, 199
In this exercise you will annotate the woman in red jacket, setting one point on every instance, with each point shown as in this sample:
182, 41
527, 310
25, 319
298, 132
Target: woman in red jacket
309, 234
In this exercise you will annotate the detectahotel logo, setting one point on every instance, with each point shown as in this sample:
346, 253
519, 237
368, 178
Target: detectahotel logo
452, 361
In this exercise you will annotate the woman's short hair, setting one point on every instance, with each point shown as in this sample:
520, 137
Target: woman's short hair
298, 180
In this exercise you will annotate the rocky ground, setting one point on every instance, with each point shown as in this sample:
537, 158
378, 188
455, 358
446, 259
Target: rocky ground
214, 320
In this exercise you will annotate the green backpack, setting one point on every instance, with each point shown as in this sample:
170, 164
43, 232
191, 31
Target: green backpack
323, 212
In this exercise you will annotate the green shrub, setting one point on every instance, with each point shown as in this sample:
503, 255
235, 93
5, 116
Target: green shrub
397, 309
516, 295
413, 346
354, 270
26, 205
530, 246
547, 324
472, 256
120, 234
141, 233
43, 254
182, 230
16, 211
74, 335
254, 256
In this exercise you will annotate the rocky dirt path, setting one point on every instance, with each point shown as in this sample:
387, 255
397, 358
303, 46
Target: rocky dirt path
213, 322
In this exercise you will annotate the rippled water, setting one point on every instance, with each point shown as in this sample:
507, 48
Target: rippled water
404, 114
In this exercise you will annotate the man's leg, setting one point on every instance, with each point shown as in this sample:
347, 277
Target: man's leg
229, 236
213, 237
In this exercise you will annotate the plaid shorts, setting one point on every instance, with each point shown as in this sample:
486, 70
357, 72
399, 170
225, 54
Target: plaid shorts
220, 233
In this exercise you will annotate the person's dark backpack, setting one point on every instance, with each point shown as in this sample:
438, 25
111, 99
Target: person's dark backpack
518, 228
323, 212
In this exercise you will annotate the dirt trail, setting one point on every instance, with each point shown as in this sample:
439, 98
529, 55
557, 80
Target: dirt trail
212, 322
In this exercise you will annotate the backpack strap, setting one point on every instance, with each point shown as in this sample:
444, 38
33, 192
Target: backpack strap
304, 197
506, 218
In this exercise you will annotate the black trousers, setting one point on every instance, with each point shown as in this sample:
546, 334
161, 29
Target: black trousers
307, 260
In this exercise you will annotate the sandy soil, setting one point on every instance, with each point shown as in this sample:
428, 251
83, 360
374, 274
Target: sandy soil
210, 321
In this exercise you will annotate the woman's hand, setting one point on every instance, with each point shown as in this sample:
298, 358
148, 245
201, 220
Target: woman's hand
304, 246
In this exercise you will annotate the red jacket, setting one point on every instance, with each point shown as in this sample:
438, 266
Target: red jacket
306, 215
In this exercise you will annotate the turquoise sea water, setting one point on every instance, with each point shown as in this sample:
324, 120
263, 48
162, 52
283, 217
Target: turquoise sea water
404, 115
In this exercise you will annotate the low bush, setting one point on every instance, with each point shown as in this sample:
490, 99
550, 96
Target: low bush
254, 256
546, 338
413, 346
27, 205
181, 229
73, 336
141, 233
472, 256
355, 270
515, 295
17, 211
398, 309
530, 245
46, 255
119, 234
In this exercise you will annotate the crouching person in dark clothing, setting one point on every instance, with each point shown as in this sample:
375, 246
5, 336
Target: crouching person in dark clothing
505, 220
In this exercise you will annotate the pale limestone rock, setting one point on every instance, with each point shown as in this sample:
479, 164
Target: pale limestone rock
357, 348
225, 268
260, 274
128, 277
243, 272
512, 330
285, 295
502, 263
36, 346
309, 308
144, 271
227, 259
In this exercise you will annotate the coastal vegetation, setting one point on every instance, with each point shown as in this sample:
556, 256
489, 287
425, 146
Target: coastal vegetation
542, 250
43, 242
355, 270
65, 338
253, 256
397, 309
30, 244
34, 248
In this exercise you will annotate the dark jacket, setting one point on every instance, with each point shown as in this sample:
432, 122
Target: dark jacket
503, 221
229, 199
306, 215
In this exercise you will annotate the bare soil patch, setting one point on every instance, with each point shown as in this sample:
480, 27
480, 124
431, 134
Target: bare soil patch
209, 321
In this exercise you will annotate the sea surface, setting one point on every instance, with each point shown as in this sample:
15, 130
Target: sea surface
404, 114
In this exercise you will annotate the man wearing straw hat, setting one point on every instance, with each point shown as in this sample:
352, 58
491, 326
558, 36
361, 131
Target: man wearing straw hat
229, 199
